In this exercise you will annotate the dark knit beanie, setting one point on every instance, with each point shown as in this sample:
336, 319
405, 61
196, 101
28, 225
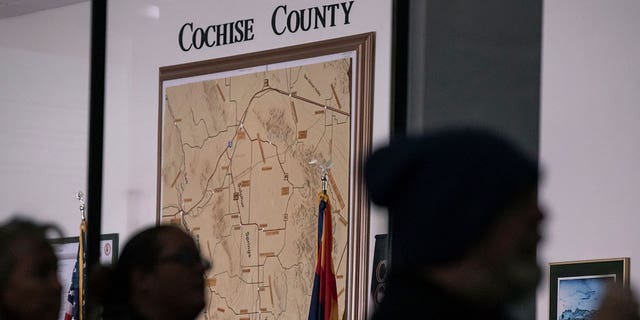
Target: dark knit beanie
444, 190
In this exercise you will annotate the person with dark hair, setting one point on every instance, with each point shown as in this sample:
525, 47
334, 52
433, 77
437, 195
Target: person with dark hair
29, 284
159, 275
464, 223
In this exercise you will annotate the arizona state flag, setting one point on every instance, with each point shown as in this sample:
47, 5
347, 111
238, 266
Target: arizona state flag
324, 298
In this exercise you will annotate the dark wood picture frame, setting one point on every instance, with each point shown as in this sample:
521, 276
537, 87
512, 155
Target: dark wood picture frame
361, 123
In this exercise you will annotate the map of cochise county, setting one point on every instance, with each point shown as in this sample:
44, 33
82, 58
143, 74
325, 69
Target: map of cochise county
236, 174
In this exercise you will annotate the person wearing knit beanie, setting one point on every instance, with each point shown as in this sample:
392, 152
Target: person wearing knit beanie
464, 224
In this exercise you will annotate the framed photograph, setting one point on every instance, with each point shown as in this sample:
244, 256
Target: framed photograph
577, 287
244, 143
66, 250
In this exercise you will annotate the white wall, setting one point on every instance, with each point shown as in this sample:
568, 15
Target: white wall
590, 133
44, 93
44, 96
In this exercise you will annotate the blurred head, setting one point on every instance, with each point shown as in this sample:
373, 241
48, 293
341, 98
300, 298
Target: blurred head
460, 199
505, 257
161, 270
29, 285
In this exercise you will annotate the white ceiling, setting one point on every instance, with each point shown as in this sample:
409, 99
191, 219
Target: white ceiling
12, 8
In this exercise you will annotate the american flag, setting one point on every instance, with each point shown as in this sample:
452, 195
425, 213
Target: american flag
72, 309
75, 302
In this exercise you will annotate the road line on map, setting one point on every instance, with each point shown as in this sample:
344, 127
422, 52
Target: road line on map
271, 291
261, 150
165, 215
344, 250
313, 102
331, 146
220, 91
333, 89
293, 111
176, 179
332, 181
321, 105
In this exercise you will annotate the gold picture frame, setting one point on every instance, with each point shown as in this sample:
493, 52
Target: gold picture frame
352, 206
577, 286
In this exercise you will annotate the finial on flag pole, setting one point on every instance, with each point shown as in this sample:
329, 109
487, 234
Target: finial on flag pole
325, 168
80, 197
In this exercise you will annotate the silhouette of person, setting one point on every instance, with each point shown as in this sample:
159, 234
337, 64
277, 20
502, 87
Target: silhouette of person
464, 224
29, 285
159, 275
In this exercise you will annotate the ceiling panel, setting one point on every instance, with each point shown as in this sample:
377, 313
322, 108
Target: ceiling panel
12, 8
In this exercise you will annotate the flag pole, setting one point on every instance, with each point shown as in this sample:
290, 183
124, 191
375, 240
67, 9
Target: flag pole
81, 262
324, 298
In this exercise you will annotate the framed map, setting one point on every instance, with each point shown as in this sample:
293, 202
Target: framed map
578, 287
239, 143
